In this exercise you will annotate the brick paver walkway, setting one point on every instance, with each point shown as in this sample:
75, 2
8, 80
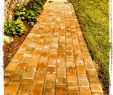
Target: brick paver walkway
54, 58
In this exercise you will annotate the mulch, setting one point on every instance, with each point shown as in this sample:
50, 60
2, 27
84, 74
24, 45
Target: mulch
11, 48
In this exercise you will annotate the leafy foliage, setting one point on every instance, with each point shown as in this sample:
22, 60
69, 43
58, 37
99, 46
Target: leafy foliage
20, 12
14, 27
28, 12
35, 5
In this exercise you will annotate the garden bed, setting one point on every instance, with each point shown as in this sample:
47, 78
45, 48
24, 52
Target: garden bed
11, 48
23, 19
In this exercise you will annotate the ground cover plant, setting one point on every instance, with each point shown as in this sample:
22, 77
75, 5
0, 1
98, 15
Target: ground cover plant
93, 16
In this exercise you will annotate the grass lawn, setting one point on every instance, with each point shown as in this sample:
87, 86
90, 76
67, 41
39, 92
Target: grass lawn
93, 16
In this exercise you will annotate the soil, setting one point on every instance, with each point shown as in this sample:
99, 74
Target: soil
11, 48
105, 88
100, 75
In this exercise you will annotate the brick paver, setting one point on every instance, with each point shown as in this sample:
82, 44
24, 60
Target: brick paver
54, 58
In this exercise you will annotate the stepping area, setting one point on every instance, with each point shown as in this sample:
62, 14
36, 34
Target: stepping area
54, 58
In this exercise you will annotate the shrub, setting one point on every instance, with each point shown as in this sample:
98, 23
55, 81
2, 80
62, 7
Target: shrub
25, 15
30, 17
39, 2
28, 12
34, 6
12, 27
20, 12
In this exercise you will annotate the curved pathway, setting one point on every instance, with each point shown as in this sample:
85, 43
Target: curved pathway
54, 58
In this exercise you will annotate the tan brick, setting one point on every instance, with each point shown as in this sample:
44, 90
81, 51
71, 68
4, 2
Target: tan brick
73, 85
51, 69
15, 60
61, 81
16, 78
77, 47
20, 70
96, 88
97, 93
70, 64
71, 78
61, 72
69, 53
12, 66
44, 54
84, 45
71, 70
86, 56
28, 75
70, 59
49, 84
85, 91
25, 86
31, 69
27, 55
50, 77
89, 66
43, 60
23, 64
12, 88
8, 74
53, 55
60, 90
36, 88
60, 63
42, 65
52, 62
76, 57
18, 55
40, 74
93, 77
31, 46
73, 92
81, 69
61, 55
33, 61
83, 83
79, 61
82, 76
6, 81
48, 91
69, 47
83, 80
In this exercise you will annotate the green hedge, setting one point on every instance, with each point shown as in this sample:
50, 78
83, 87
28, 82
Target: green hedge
93, 16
